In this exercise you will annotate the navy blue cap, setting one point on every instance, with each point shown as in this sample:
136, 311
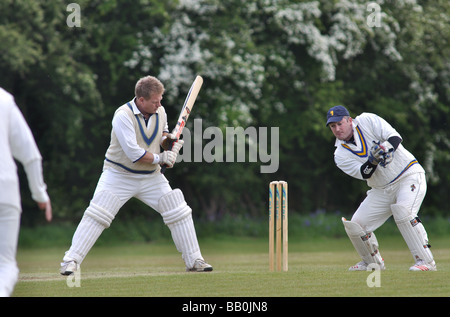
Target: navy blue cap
336, 113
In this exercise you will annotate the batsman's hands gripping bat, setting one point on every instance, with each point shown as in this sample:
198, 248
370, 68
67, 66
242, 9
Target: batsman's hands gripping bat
168, 158
176, 146
168, 140
184, 114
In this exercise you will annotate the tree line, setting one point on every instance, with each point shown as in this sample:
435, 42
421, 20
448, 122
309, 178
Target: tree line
265, 63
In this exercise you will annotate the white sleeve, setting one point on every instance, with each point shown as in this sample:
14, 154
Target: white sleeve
351, 167
21, 140
166, 127
25, 150
36, 181
380, 127
164, 113
126, 135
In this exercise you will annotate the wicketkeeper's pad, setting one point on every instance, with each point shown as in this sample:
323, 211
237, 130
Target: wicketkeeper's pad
413, 232
365, 243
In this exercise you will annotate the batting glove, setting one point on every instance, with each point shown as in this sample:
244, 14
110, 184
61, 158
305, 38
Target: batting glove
168, 158
176, 146
168, 140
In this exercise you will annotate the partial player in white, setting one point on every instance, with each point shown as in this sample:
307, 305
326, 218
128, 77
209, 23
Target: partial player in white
16, 142
369, 148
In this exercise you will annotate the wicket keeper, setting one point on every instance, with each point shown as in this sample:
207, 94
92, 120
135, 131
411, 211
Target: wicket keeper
369, 148
132, 169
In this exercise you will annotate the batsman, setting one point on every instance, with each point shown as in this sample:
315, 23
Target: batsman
369, 148
132, 168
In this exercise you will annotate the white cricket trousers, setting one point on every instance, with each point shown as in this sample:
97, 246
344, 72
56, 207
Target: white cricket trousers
9, 233
117, 188
376, 207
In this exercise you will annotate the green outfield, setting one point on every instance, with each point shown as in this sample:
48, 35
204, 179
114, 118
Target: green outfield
316, 268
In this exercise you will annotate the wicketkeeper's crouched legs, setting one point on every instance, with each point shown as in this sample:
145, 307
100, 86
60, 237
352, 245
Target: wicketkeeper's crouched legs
97, 217
366, 245
414, 234
177, 215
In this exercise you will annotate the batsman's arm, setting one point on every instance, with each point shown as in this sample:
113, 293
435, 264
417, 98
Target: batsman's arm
149, 158
167, 158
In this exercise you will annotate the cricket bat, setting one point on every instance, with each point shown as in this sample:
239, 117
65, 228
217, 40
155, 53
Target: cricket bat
186, 111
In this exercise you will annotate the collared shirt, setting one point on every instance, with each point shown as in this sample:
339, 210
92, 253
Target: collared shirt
367, 128
17, 142
123, 128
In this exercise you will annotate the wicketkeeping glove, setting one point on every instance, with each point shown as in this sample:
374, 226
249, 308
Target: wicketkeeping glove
376, 153
381, 154
388, 154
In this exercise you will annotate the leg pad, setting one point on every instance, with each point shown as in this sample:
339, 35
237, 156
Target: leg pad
413, 232
177, 215
365, 243
103, 208
173, 207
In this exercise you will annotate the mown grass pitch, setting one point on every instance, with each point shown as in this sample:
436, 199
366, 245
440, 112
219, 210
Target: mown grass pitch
316, 268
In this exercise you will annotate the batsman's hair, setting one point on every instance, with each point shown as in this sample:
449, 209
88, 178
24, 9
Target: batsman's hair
148, 86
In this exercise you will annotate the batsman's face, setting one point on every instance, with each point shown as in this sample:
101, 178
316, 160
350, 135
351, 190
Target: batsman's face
342, 130
150, 105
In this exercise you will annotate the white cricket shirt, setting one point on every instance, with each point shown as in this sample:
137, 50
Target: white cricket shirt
132, 137
367, 128
17, 142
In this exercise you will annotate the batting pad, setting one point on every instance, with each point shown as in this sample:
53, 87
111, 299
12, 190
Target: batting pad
97, 217
103, 208
177, 215
173, 207
102, 216
366, 244
413, 232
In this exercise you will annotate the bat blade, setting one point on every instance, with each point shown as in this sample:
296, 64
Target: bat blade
187, 106
186, 110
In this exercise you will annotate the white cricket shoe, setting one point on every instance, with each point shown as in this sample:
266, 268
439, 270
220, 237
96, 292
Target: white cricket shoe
423, 266
68, 268
200, 266
362, 266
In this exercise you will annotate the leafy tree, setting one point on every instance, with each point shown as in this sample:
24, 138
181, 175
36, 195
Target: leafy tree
266, 63
284, 63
